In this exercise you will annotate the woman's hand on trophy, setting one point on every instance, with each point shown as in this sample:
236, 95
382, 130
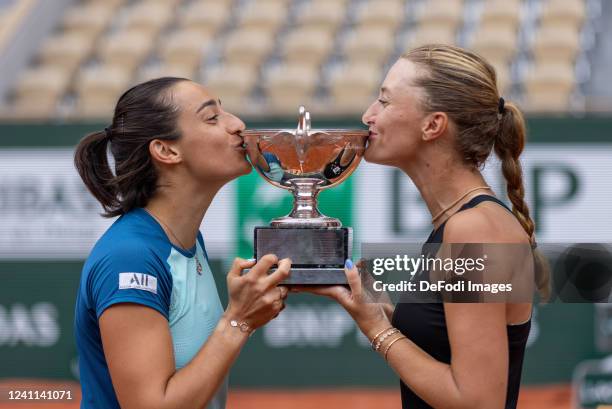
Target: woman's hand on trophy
367, 312
256, 297
381, 297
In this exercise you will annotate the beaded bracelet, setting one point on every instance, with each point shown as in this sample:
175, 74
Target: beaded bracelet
391, 343
385, 336
242, 326
378, 335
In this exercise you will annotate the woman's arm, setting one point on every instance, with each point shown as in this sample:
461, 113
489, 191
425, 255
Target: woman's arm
388, 309
477, 375
139, 351
138, 348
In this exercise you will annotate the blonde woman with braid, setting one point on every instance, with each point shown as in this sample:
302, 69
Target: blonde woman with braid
438, 117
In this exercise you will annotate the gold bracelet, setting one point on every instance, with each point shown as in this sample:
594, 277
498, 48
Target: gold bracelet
384, 336
391, 343
378, 335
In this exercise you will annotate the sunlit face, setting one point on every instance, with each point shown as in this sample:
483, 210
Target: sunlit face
395, 119
210, 143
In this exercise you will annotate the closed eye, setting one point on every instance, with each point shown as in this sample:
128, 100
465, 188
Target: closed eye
213, 118
383, 102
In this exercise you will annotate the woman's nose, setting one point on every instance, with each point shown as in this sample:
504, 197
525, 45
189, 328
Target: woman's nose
368, 116
236, 124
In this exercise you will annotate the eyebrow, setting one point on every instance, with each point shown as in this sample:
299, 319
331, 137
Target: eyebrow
205, 104
384, 90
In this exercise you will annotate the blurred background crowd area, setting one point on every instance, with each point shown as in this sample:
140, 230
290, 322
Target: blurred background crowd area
72, 59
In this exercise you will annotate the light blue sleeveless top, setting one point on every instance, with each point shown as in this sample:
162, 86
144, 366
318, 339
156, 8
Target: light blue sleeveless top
135, 262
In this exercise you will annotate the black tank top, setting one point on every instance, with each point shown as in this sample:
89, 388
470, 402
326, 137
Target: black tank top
425, 325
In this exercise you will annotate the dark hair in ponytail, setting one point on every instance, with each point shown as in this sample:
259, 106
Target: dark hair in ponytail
463, 85
143, 113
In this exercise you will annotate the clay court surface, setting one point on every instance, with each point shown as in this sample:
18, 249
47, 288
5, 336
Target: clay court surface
549, 397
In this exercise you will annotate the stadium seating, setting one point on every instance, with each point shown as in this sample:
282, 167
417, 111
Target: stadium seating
322, 14
495, 44
165, 70
148, 16
441, 13
89, 19
65, 51
11, 14
185, 48
232, 83
374, 44
549, 87
431, 35
98, 89
501, 13
556, 43
248, 46
385, 13
291, 85
308, 45
354, 87
263, 15
563, 13
277, 51
125, 48
206, 17
39, 90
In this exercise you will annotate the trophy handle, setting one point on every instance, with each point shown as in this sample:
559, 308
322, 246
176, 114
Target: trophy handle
305, 212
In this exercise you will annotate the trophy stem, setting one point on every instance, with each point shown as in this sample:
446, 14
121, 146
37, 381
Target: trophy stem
305, 195
305, 212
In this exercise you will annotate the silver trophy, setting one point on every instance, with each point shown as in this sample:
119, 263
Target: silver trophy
306, 161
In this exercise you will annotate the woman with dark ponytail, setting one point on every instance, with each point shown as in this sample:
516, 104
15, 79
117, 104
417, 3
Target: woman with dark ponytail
438, 117
149, 325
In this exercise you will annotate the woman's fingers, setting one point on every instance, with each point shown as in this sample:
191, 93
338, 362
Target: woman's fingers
263, 265
283, 291
353, 278
281, 273
240, 264
336, 292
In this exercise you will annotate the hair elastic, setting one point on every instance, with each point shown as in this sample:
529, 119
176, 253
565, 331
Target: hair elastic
501, 106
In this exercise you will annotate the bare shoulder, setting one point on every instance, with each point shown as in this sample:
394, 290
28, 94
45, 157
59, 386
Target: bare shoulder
486, 223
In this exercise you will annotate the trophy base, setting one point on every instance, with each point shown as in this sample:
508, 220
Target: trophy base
317, 254
315, 276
